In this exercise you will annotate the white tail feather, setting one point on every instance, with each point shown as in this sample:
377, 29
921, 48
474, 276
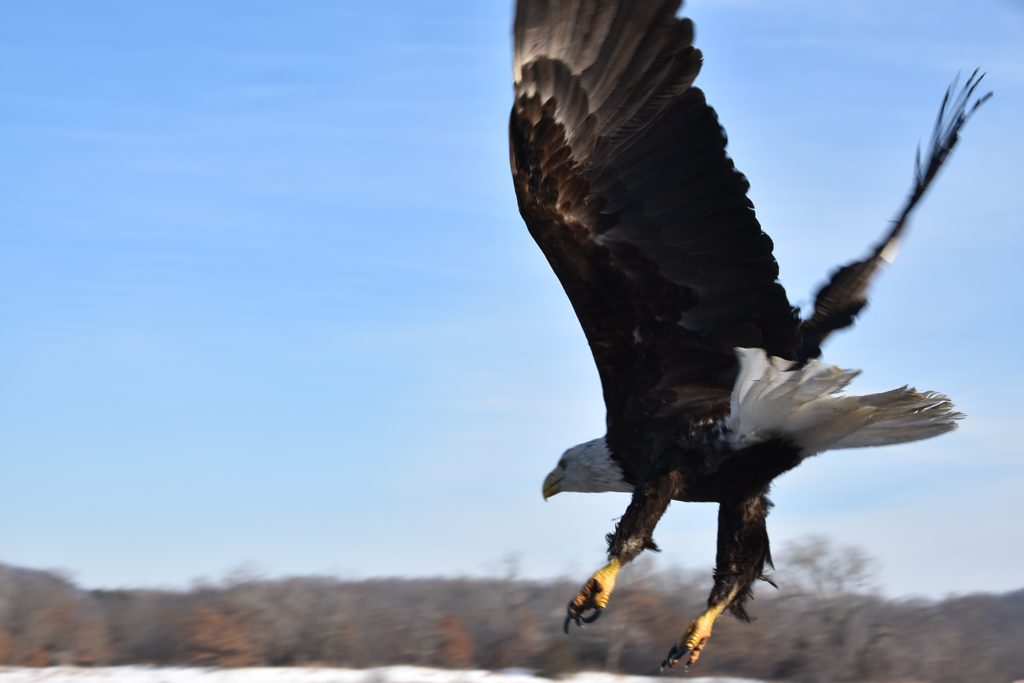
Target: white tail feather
805, 405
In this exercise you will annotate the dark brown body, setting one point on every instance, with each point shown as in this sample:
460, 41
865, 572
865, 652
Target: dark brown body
738, 481
664, 385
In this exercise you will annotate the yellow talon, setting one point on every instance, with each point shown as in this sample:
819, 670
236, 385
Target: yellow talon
594, 595
605, 578
697, 635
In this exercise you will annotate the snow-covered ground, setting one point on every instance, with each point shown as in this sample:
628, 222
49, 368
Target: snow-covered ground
393, 674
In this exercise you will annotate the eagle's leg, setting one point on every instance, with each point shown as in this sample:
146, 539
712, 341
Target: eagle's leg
631, 537
742, 555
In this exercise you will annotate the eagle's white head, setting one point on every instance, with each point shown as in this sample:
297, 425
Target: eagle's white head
587, 468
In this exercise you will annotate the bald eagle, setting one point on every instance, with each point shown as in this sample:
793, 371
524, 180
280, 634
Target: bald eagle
711, 379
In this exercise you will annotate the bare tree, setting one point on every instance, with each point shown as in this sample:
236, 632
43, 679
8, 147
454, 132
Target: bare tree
826, 623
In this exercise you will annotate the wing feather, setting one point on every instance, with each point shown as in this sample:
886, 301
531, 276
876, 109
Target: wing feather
622, 178
842, 298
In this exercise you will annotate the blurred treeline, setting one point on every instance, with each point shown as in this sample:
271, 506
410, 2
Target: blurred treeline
825, 623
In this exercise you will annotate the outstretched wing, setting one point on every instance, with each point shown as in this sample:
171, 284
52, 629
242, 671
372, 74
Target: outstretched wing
840, 300
622, 178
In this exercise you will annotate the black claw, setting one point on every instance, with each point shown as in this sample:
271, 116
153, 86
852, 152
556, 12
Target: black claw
581, 616
676, 655
570, 618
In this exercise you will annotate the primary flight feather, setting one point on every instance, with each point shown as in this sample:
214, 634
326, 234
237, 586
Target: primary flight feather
710, 378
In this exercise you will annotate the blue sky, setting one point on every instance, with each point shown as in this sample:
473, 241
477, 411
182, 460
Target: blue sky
268, 302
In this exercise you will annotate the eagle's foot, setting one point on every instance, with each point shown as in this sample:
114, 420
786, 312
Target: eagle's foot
590, 602
693, 641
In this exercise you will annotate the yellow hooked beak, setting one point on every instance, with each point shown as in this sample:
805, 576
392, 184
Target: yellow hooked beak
551, 483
